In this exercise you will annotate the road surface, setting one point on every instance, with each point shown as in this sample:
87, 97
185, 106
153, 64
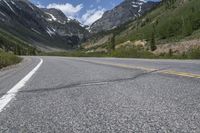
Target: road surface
57, 94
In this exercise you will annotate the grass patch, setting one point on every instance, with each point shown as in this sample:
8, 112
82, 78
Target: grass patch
128, 53
7, 59
121, 53
75, 54
193, 54
132, 53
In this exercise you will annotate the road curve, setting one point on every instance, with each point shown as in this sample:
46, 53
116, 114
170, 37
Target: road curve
102, 95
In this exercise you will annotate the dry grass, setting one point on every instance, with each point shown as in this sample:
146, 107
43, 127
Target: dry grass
7, 59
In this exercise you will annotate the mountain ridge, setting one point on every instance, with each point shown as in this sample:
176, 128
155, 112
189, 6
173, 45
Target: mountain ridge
31, 24
122, 13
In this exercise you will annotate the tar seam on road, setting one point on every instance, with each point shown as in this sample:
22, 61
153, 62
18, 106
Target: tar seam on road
170, 72
90, 83
4, 100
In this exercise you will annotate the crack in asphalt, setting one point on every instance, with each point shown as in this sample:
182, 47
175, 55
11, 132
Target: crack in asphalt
89, 83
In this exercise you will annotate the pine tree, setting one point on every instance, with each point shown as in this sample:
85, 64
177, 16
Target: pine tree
153, 42
170, 52
17, 50
112, 47
187, 27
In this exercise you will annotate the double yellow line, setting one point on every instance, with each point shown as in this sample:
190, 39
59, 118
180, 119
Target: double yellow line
183, 74
170, 72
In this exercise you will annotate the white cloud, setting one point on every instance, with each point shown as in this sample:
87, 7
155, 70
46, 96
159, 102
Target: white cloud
73, 11
39, 5
91, 16
67, 8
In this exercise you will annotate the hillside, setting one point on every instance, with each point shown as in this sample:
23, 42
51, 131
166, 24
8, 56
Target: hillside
173, 21
10, 43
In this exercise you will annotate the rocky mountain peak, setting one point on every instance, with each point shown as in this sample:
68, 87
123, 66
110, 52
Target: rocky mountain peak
124, 12
55, 15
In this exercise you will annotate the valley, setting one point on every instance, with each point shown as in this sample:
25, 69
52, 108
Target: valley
134, 28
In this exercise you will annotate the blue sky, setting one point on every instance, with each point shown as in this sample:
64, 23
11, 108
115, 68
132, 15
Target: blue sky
86, 11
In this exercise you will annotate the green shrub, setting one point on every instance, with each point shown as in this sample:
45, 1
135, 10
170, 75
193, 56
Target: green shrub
132, 53
194, 54
7, 59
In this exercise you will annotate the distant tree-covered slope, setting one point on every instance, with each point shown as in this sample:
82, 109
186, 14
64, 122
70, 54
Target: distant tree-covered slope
10, 43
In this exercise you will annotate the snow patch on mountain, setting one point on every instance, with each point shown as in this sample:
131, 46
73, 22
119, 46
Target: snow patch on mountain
8, 6
139, 6
53, 18
61, 22
13, 2
2, 14
35, 31
143, 1
50, 31
31, 6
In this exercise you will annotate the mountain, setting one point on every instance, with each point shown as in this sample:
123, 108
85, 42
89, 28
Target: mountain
47, 29
172, 28
62, 25
124, 12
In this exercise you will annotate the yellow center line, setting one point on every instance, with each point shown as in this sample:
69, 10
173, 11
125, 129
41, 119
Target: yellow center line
183, 74
171, 72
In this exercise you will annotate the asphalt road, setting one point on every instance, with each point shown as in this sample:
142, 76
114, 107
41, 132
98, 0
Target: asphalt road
91, 95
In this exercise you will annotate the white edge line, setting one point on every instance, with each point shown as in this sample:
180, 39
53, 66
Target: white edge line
4, 100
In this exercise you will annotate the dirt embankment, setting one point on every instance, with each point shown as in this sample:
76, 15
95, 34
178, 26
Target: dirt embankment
178, 47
